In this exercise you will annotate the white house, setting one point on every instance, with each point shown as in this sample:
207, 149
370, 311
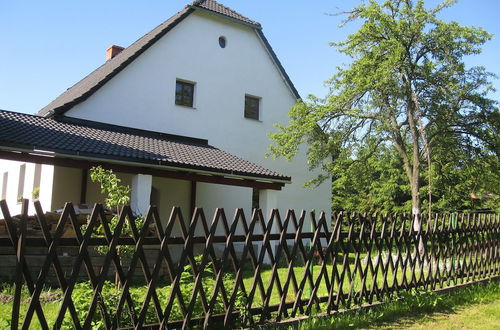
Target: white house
182, 115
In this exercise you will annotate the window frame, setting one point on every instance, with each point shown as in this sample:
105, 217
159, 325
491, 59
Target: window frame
183, 94
247, 113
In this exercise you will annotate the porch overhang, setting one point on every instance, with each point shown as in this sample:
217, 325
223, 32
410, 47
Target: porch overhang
84, 162
78, 143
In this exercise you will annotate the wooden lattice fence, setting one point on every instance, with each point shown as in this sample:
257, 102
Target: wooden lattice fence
249, 270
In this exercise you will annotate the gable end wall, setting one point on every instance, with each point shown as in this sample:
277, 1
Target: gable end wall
142, 96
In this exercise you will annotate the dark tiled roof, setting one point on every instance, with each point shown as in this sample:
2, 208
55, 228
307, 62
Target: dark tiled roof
223, 10
91, 83
109, 142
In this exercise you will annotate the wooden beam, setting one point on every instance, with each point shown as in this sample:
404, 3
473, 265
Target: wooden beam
192, 201
180, 175
83, 186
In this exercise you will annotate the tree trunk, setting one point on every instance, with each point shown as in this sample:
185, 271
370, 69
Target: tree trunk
416, 217
415, 200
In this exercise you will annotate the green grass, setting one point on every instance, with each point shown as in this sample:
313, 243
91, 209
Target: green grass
50, 307
352, 283
476, 306
484, 315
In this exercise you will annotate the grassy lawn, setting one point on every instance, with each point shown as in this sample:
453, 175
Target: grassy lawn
471, 307
473, 316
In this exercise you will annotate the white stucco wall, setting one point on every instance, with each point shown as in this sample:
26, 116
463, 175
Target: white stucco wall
66, 186
142, 96
169, 193
13, 170
58, 185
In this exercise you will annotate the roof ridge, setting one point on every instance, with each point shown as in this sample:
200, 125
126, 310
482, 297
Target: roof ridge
212, 5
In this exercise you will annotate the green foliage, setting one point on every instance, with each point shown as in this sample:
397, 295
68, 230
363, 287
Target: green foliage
464, 180
116, 193
461, 182
208, 284
35, 193
4, 324
405, 94
371, 183
82, 297
422, 301
124, 250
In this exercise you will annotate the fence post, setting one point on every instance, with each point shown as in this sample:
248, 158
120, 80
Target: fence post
311, 265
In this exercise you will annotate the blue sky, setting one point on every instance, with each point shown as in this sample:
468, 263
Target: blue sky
47, 46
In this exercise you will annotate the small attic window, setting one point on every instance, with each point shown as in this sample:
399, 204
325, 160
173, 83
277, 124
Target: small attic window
222, 42
184, 93
252, 105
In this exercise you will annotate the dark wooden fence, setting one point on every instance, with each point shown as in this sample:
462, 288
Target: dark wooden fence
240, 271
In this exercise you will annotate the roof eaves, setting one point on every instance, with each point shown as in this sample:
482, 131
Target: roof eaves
277, 62
52, 152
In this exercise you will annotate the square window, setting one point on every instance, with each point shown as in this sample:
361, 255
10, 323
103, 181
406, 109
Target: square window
252, 107
184, 92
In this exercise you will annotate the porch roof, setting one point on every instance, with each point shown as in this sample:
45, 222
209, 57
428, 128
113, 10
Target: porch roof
78, 139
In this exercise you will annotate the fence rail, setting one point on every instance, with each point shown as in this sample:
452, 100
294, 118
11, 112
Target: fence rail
237, 271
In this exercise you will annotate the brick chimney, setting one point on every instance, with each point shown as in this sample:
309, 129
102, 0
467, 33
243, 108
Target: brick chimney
112, 51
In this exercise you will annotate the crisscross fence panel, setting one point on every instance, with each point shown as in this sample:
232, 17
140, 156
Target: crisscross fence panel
233, 270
